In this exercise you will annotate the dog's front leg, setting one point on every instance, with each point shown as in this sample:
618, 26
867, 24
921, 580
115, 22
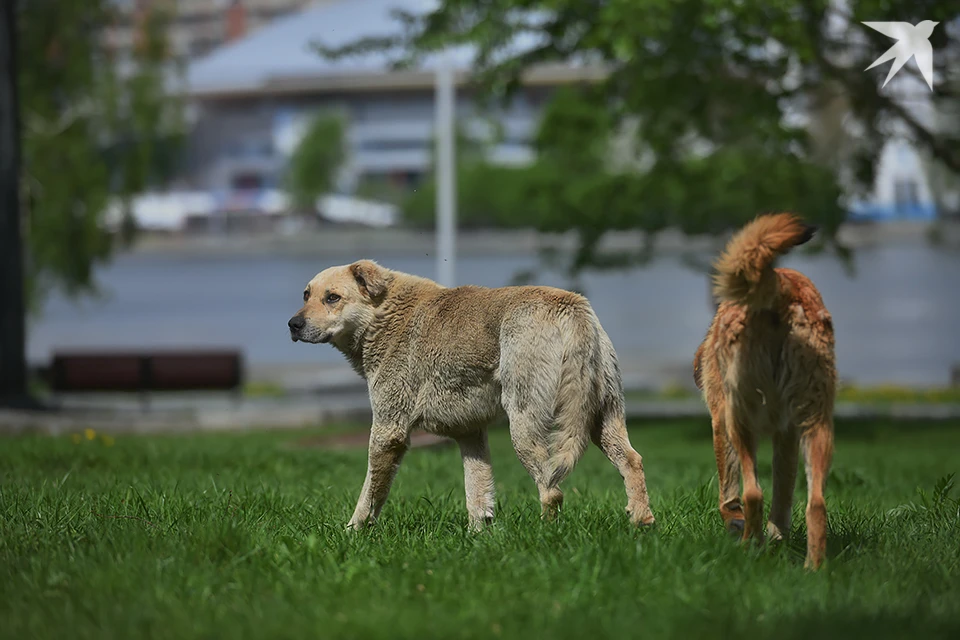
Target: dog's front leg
477, 478
386, 450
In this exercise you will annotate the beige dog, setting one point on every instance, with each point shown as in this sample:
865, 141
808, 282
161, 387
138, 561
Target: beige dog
450, 361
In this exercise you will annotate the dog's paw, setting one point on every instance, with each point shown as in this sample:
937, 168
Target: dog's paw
549, 515
641, 516
774, 534
478, 525
643, 520
357, 525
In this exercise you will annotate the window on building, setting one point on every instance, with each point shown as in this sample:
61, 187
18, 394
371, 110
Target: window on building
404, 179
906, 193
247, 181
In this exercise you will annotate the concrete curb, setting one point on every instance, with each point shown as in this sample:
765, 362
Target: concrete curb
244, 417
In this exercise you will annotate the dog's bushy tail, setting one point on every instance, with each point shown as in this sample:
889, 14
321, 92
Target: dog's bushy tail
577, 407
745, 268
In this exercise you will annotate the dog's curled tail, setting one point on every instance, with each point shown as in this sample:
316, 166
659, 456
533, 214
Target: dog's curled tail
745, 268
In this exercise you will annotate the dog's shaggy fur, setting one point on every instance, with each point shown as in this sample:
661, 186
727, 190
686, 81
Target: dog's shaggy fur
452, 360
767, 367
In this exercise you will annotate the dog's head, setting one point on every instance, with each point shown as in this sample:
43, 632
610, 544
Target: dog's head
339, 303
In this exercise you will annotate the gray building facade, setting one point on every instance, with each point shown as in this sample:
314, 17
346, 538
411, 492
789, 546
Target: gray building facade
251, 100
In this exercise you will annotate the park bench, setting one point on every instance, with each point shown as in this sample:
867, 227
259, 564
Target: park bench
145, 372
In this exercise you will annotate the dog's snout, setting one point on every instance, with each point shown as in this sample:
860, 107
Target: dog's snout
296, 323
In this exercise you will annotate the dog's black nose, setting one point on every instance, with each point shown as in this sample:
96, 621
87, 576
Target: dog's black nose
296, 323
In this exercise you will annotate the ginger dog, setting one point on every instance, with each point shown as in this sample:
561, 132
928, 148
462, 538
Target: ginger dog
452, 360
767, 367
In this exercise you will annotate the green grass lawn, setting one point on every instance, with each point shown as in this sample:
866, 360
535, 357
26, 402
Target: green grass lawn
241, 536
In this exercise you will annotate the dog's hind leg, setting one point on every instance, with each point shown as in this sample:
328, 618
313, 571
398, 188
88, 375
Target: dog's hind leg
552, 446
530, 367
744, 443
530, 431
477, 478
530, 437
817, 442
786, 445
530, 425
728, 475
612, 438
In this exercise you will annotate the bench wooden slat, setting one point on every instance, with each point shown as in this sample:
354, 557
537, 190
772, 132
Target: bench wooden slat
207, 372
146, 371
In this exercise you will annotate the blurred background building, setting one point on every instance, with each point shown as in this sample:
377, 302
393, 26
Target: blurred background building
232, 244
196, 27
253, 97
253, 81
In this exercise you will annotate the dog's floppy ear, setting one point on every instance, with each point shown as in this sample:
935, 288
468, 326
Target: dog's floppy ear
370, 277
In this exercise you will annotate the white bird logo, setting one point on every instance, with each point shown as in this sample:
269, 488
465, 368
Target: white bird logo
912, 42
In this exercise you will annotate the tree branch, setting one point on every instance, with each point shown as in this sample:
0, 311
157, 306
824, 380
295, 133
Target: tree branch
939, 149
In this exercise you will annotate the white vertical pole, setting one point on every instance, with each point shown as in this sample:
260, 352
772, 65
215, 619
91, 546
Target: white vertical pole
446, 173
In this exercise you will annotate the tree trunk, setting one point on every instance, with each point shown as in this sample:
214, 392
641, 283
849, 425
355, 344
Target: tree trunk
13, 366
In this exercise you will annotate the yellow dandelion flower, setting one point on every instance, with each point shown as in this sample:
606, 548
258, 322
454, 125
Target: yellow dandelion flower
76, 438
90, 434
106, 440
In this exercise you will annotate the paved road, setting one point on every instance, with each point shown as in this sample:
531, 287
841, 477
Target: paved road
897, 320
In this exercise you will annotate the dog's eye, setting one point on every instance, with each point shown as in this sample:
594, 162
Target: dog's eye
306, 296
332, 298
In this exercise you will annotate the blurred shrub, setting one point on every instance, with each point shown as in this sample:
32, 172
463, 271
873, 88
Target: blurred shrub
93, 129
585, 180
381, 191
316, 161
487, 196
